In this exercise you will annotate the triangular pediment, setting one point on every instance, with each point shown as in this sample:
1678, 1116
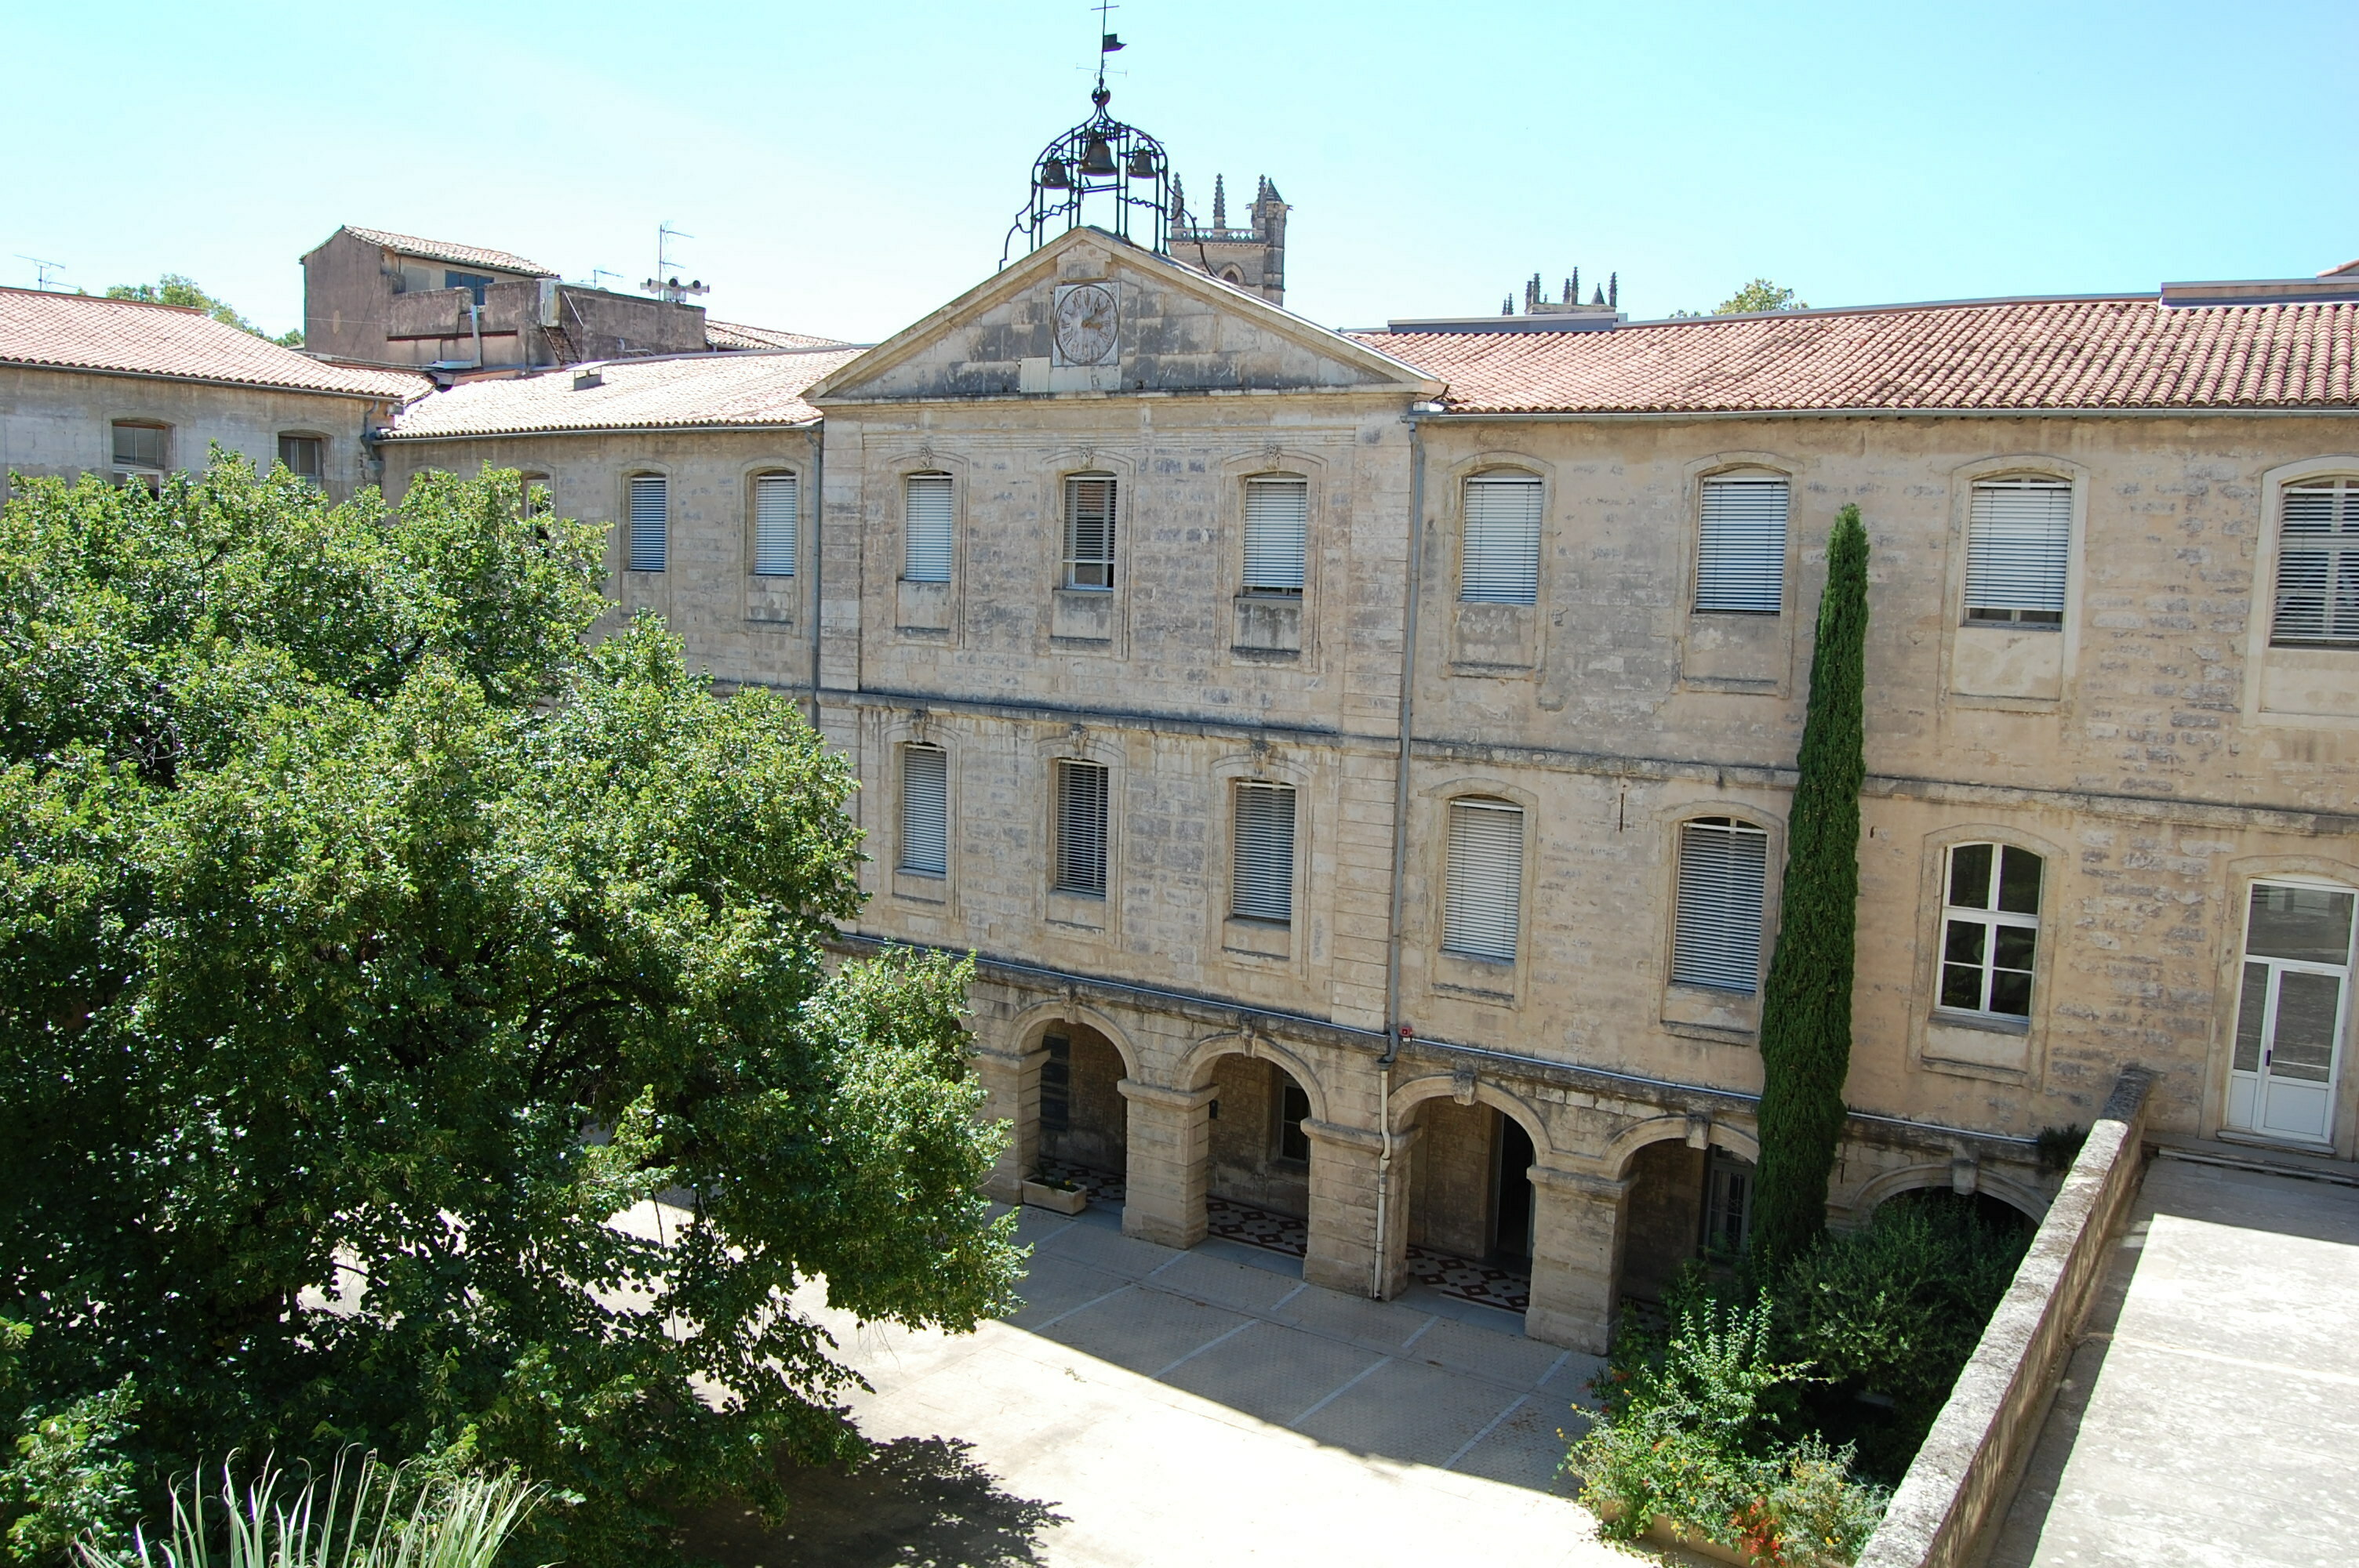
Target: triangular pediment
1151, 326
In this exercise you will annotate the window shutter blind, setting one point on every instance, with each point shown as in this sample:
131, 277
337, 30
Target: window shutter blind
1088, 531
1278, 527
1081, 827
926, 528
1741, 549
1261, 878
2318, 563
1483, 897
2017, 543
1718, 939
1502, 563
777, 511
925, 809
648, 522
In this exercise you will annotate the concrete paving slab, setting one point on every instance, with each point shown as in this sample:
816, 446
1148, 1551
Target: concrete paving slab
1383, 1326
1523, 1449
1225, 1283
1514, 1363
1143, 1330
1054, 1286
1272, 1372
1409, 1409
2211, 1413
1101, 1247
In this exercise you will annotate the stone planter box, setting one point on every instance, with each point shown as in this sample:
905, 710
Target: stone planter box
1666, 1532
1060, 1200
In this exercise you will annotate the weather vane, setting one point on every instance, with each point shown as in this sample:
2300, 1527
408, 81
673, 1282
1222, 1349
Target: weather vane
1100, 157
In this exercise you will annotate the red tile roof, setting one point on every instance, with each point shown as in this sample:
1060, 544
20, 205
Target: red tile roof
445, 251
2128, 353
76, 331
737, 335
755, 389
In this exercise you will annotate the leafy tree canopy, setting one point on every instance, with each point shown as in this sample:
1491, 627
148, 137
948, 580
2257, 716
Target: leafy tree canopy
1759, 295
173, 288
368, 944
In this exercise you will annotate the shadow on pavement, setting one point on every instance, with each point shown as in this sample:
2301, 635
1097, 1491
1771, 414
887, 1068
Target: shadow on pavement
916, 1502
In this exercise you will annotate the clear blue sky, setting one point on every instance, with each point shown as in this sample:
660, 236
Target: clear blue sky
847, 168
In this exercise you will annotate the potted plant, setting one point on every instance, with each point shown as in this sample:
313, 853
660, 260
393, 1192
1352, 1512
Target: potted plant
1056, 1194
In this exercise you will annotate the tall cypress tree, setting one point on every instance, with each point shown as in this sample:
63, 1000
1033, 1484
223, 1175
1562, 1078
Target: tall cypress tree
1806, 1011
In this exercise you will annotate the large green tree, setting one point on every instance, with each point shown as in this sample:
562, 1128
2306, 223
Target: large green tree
1805, 1008
368, 943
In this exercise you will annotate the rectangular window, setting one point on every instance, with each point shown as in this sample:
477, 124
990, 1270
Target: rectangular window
1261, 876
778, 524
1277, 528
538, 499
1990, 930
2318, 565
648, 522
1081, 828
925, 810
304, 456
1483, 893
926, 530
2018, 545
475, 283
139, 445
1088, 531
1502, 560
1741, 546
1723, 866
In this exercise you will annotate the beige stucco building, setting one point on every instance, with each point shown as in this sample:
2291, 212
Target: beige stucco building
1360, 761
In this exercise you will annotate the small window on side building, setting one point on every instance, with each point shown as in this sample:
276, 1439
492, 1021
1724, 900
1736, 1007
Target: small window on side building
305, 457
141, 448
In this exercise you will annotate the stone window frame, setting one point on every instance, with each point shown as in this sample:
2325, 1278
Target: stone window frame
1275, 462
1701, 1013
626, 472
140, 419
1461, 977
2261, 654
1957, 630
1926, 1012
923, 612
749, 476
528, 476
1077, 463
2232, 896
1079, 915
1781, 658
326, 441
1254, 944
922, 887
1529, 638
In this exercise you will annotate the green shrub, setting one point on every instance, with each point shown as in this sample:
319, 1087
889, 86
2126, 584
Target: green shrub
64, 1475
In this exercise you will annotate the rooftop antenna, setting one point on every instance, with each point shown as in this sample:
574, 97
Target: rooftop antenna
665, 286
45, 272
598, 272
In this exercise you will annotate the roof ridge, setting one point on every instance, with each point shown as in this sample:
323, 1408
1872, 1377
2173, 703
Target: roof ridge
107, 299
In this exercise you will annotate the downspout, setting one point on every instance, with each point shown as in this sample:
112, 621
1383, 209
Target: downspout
1394, 1028
818, 556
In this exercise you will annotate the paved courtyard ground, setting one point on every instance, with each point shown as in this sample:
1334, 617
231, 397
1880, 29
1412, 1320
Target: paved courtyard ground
1150, 1406
2211, 1414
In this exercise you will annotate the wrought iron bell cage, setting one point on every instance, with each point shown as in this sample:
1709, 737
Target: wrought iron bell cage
1100, 157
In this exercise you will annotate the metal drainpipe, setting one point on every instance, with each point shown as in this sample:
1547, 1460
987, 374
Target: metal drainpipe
818, 538
1415, 568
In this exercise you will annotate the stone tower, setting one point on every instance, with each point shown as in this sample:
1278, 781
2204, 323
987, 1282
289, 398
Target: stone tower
1252, 257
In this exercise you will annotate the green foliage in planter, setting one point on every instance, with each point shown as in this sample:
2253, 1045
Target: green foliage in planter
1696, 1433
1806, 1007
368, 942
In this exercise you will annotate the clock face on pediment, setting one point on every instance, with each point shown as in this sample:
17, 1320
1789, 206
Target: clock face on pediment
1086, 323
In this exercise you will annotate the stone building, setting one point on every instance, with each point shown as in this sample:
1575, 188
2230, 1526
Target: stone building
1252, 257
1360, 761
137, 391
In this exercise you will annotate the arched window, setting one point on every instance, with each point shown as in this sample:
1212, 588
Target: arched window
650, 517
2318, 565
1990, 930
2018, 549
1723, 870
1484, 885
778, 523
1500, 560
927, 529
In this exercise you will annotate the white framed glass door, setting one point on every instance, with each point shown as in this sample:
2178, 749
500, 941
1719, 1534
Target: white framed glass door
2291, 1008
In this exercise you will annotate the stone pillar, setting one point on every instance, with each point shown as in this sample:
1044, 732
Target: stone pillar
1576, 1256
1345, 1165
1011, 1087
1170, 1162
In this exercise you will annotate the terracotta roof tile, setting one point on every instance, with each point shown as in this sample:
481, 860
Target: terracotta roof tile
737, 335
445, 251
2126, 353
755, 389
76, 331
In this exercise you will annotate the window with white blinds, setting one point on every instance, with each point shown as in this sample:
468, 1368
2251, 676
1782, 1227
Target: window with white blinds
646, 522
925, 810
1261, 875
1723, 867
1501, 560
1277, 530
926, 528
2018, 543
1080, 828
1741, 546
1088, 531
2318, 563
778, 511
1483, 889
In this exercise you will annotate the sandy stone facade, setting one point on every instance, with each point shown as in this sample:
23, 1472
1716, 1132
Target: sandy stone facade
1568, 1103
